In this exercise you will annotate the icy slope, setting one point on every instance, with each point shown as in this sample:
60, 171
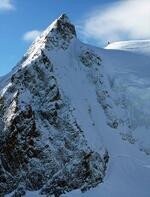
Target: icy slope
74, 119
136, 46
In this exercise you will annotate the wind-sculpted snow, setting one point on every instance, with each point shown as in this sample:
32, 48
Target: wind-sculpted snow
73, 117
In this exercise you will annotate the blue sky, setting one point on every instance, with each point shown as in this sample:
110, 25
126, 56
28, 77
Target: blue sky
96, 21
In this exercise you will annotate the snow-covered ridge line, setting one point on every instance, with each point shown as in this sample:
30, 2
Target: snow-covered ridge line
137, 46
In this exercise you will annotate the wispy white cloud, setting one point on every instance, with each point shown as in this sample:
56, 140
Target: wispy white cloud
128, 19
6, 5
31, 35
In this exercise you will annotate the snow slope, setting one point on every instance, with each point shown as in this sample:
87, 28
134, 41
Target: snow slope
136, 46
118, 183
107, 93
128, 171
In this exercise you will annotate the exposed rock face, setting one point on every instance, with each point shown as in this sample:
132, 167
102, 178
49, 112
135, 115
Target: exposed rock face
42, 146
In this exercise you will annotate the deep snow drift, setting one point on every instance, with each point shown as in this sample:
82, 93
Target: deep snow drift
107, 93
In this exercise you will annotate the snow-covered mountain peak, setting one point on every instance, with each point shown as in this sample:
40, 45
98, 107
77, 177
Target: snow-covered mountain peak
73, 116
63, 24
40, 117
57, 36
